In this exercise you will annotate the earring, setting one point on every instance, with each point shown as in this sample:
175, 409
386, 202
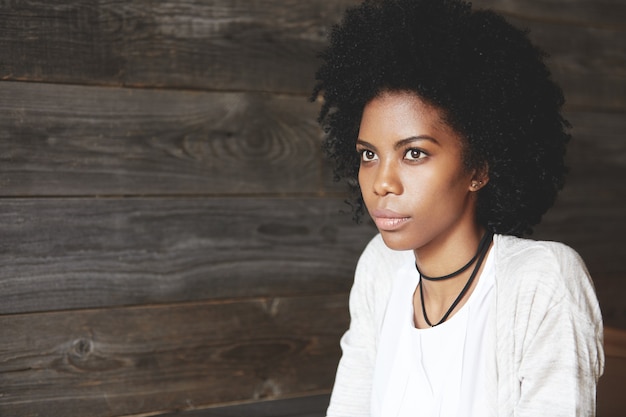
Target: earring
476, 184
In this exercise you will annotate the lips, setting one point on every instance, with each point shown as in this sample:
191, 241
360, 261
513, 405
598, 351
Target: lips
388, 220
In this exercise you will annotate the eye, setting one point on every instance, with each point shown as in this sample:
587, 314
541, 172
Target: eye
367, 155
414, 154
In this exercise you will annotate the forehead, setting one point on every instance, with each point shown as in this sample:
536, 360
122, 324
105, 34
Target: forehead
401, 115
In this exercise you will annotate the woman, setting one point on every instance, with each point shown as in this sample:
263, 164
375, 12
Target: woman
448, 128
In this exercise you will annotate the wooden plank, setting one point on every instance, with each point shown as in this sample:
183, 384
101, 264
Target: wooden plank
611, 386
585, 41
73, 140
615, 342
309, 406
85, 253
70, 140
596, 13
221, 44
589, 64
127, 361
245, 45
80, 253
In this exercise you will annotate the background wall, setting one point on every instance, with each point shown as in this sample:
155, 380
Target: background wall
171, 238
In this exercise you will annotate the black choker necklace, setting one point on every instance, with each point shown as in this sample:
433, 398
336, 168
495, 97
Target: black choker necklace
483, 247
483, 240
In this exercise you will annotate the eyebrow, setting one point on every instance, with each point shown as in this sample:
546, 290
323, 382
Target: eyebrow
401, 143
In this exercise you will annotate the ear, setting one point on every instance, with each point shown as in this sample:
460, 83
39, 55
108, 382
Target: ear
480, 178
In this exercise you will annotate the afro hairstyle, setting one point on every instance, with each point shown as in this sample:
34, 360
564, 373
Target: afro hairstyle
484, 76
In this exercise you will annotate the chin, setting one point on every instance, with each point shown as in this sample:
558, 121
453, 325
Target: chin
395, 241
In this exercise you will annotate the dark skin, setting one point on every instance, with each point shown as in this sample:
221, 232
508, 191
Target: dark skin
420, 194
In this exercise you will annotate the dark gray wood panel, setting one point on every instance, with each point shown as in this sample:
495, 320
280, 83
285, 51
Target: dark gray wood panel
221, 44
130, 361
309, 406
78, 253
588, 62
598, 13
267, 47
585, 42
75, 140
611, 386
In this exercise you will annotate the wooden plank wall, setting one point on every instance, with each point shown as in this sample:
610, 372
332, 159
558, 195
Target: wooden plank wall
171, 237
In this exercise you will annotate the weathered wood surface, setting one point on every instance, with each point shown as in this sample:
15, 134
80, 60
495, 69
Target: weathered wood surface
594, 13
82, 253
127, 361
97, 252
100, 141
266, 46
576, 56
168, 249
611, 402
585, 42
74, 140
220, 44
610, 392
309, 406
82, 349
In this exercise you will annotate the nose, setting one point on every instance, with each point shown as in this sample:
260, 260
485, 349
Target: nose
386, 180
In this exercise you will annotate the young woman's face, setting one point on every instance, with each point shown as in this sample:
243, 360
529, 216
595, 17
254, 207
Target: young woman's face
412, 177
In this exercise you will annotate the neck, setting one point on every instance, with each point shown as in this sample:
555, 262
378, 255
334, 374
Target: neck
439, 292
447, 254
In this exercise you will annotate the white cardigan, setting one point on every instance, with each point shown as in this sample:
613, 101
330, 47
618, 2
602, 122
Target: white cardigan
545, 320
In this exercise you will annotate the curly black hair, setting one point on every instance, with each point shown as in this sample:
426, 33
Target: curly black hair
484, 75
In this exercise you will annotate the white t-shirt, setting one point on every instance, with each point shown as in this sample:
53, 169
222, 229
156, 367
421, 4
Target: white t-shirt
439, 371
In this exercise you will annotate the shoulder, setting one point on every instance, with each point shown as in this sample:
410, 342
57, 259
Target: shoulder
536, 259
542, 272
519, 250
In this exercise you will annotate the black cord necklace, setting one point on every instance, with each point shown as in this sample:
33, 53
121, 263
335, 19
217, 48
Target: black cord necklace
483, 247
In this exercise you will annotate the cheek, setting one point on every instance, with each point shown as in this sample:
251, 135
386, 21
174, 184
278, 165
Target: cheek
363, 179
420, 183
366, 179
435, 189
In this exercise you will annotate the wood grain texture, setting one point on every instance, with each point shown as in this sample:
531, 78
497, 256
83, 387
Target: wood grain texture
610, 394
611, 386
220, 44
73, 140
178, 245
308, 406
269, 46
128, 361
588, 63
585, 42
73, 159
78, 253
596, 13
